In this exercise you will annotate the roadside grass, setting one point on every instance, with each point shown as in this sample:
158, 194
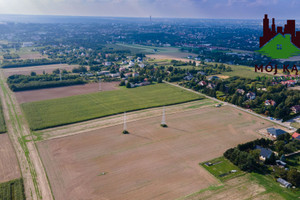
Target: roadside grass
56, 112
2, 121
13, 189
221, 169
295, 125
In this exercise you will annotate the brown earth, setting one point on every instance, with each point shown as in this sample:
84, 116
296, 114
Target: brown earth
9, 167
38, 69
151, 162
34, 55
59, 92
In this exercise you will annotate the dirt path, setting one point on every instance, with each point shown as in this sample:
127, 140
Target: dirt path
95, 124
35, 179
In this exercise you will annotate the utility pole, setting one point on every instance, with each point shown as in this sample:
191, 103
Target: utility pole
163, 120
125, 125
99, 84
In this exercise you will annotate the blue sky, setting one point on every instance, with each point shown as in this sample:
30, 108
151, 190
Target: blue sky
235, 9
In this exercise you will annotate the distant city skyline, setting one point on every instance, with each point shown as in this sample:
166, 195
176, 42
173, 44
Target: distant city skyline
225, 9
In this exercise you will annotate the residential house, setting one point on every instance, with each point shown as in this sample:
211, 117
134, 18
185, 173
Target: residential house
103, 73
240, 91
107, 63
295, 109
114, 75
288, 83
202, 73
275, 132
211, 86
270, 102
251, 95
284, 183
135, 74
296, 136
188, 77
264, 153
202, 83
213, 78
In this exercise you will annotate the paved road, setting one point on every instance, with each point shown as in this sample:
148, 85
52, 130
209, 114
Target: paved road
234, 106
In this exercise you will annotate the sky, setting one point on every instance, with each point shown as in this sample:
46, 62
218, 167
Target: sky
219, 9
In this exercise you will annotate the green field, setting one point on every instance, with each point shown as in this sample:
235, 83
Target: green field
268, 182
221, 168
2, 121
55, 112
294, 161
12, 190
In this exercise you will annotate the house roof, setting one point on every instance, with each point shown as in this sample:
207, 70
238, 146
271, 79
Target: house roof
264, 152
295, 135
283, 182
276, 132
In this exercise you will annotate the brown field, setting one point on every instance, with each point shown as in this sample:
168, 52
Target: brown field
172, 57
38, 69
9, 167
59, 92
33, 55
151, 162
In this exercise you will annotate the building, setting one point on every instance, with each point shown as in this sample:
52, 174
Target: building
107, 63
213, 78
295, 109
202, 83
296, 136
280, 163
188, 77
264, 153
103, 73
114, 75
240, 91
251, 95
270, 102
284, 183
275, 132
211, 86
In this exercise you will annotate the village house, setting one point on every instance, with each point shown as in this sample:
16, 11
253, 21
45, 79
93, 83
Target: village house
202, 83
211, 86
240, 91
251, 95
264, 153
275, 132
296, 136
270, 102
295, 109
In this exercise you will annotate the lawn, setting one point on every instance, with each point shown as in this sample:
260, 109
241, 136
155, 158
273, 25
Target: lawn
55, 112
271, 185
12, 190
2, 121
243, 71
294, 161
221, 168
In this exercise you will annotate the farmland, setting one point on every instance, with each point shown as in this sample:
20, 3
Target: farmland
2, 121
13, 190
60, 92
9, 168
55, 112
38, 69
151, 162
